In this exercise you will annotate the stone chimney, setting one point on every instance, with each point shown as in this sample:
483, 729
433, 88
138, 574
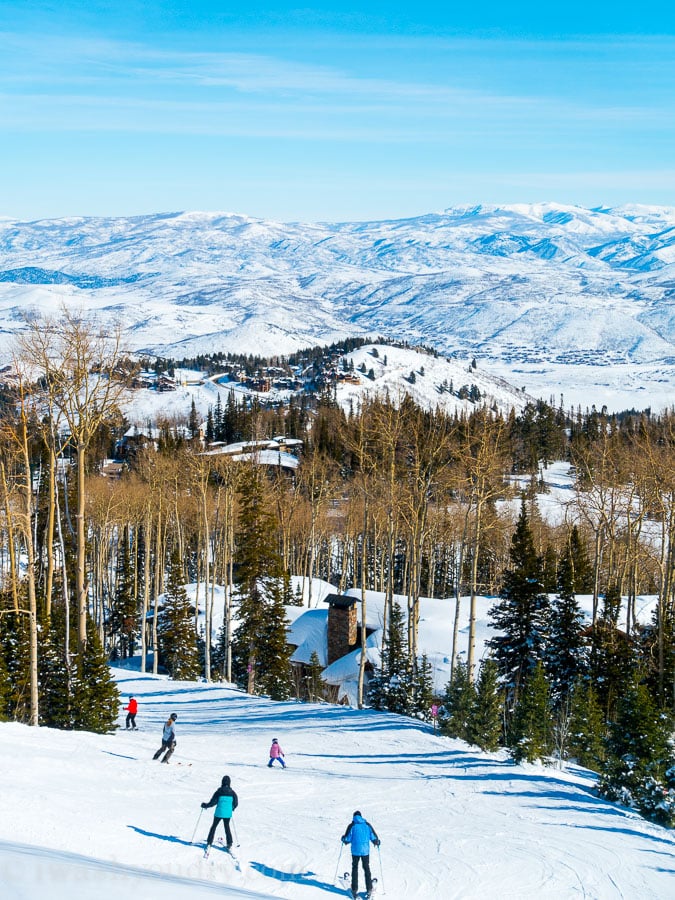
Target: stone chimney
342, 626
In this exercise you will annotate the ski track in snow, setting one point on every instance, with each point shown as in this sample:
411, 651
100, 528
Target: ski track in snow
455, 823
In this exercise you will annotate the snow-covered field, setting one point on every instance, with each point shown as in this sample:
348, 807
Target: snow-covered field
89, 816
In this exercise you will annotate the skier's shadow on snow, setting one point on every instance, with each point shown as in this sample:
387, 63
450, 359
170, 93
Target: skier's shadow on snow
162, 837
296, 878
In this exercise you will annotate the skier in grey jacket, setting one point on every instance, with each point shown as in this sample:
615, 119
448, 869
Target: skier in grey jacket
359, 834
225, 801
168, 739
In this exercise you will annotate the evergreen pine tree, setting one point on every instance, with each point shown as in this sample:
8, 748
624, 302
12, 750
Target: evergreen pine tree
178, 651
531, 736
5, 687
581, 564
313, 681
567, 654
390, 686
123, 623
193, 420
458, 703
218, 433
587, 729
209, 434
612, 657
15, 640
274, 651
523, 613
259, 578
640, 767
95, 698
485, 720
422, 690
55, 691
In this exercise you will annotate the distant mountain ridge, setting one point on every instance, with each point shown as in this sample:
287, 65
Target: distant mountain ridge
562, 297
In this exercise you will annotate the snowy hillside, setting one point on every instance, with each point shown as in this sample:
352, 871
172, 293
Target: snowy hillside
94, 816
437, 383
554, 298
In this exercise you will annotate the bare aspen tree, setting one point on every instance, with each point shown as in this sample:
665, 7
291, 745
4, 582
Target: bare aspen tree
483, 461
316, 481
80, 365
599, 496
17, 435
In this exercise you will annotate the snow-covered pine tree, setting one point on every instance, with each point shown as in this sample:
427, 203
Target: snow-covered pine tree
458, 703
587, 729
567, 653
531, 732
640, 767
522, 614
178, 651
486, 717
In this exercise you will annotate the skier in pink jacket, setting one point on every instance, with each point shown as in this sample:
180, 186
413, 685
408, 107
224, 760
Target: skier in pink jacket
276, 753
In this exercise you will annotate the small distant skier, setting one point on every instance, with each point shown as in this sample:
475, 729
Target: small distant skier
359, 834
168, 739
225, 801
132, 708
276, 753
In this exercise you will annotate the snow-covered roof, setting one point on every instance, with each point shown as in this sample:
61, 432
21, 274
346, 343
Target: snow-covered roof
308, 633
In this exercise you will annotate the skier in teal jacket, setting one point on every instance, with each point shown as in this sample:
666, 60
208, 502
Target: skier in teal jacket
225, 801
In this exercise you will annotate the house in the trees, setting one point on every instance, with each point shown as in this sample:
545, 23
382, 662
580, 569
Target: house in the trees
333, 632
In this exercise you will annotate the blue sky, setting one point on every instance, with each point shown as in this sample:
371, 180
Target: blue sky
331, 111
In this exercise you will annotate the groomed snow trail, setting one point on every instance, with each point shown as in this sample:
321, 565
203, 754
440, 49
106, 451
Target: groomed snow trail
454, 822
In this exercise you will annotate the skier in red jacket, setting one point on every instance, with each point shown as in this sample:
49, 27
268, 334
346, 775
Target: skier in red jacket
131, 715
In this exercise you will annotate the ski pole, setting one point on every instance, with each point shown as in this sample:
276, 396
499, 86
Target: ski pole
379, 856
236, 836
192, 839
338, 863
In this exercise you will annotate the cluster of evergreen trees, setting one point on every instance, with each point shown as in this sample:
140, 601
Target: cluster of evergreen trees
75, 691
554, 686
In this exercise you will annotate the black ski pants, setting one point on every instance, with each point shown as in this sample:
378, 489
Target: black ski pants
169, 746
212, 831
131, 720
365, 862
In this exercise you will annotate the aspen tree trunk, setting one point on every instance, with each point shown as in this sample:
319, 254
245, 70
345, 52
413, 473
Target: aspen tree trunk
13, 571
146, 588
49, 534
30, 572
81, 553
364, 563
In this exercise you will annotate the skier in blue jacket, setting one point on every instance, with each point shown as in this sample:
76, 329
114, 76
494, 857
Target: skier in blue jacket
225, 801
359, 834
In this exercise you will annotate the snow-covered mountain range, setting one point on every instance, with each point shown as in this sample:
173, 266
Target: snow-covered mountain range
557, 299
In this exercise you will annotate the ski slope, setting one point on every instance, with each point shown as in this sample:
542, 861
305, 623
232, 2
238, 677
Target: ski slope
93, 816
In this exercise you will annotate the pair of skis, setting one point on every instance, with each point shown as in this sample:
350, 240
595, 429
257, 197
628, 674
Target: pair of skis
228, 850
347, 883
